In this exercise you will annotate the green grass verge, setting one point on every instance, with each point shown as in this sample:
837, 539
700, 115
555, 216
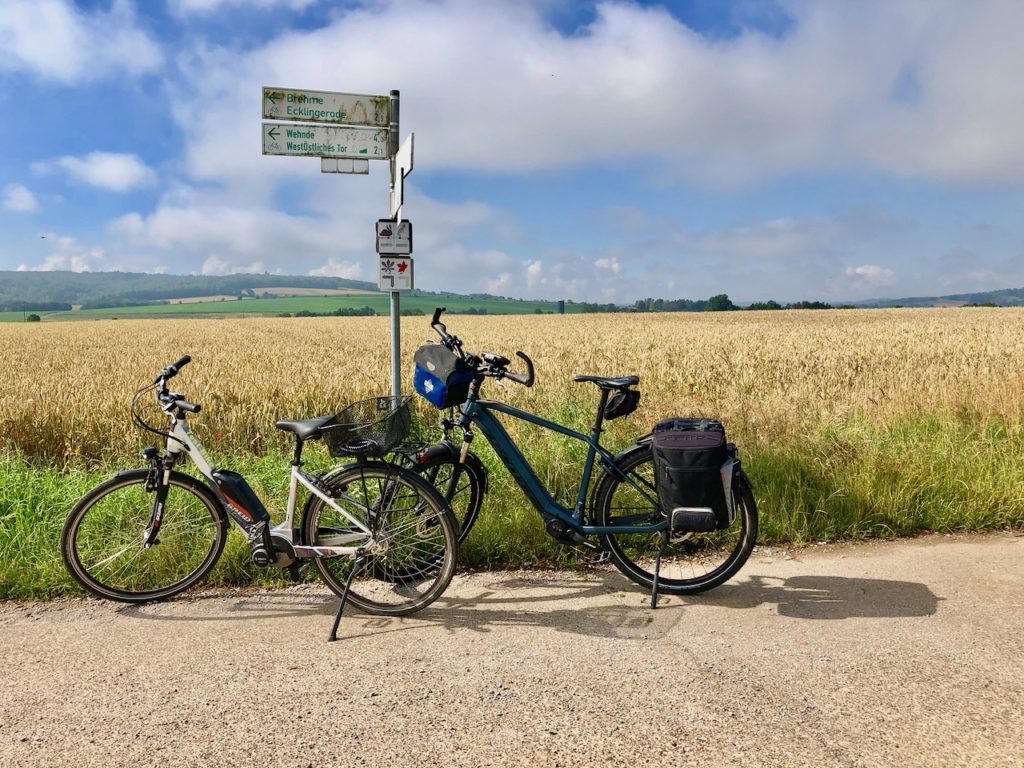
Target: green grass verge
921, 473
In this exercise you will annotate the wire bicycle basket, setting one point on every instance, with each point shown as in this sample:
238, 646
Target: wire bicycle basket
371, 427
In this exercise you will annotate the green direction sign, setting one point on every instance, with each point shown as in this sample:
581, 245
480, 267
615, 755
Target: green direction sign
325, 141
326, 107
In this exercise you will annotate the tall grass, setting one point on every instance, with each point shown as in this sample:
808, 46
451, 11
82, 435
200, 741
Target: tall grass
851, 424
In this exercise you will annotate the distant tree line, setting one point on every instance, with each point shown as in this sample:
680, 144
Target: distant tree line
16, 305
339, 312
718, 303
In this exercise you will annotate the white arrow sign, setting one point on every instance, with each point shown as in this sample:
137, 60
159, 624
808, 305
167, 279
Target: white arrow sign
325, 141
403, 167
326, 107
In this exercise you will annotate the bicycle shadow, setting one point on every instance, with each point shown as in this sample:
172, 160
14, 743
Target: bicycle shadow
827, 598
509, 602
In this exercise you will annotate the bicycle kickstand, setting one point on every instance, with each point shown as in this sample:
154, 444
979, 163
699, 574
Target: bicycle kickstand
356, 567
657, 569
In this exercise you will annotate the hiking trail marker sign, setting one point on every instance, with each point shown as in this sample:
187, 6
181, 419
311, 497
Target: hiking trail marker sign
395, 273
394, 238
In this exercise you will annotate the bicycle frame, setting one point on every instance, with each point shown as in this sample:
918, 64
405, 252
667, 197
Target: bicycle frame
481, 412
182, 442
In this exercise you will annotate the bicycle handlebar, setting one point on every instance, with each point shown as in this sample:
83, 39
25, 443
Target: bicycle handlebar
169, 399
172, 370
436, 320
442, 330
455, 345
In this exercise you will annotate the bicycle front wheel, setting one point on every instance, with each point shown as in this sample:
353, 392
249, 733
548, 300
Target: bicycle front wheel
692, 563
103, 541
461, 483
411, 553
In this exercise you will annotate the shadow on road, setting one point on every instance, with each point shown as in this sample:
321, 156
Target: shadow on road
611, 607
827, 597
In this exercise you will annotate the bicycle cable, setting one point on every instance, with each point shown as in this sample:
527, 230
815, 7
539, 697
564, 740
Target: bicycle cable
140, 422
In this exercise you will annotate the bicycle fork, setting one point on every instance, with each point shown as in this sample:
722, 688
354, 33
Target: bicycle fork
158, 481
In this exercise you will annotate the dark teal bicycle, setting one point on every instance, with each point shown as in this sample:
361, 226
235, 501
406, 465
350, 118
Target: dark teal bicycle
618, 512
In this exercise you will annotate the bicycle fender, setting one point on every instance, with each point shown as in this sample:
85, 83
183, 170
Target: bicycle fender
444, 449
450, 450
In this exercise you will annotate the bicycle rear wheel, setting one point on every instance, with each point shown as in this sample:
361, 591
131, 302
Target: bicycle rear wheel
102, 542
411, 559
692, 563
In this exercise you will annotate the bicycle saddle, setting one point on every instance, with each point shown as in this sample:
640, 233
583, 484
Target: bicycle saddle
610, 382
308, 429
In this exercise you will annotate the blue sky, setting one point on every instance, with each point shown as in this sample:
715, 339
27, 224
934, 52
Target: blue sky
606, 151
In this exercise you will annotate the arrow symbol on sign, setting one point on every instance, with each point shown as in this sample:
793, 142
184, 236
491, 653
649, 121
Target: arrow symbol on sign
273, 97
273, 133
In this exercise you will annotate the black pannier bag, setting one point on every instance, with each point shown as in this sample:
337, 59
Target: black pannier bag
694, 469
441, 376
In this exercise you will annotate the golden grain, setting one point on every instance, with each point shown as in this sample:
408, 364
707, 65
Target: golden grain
65, 387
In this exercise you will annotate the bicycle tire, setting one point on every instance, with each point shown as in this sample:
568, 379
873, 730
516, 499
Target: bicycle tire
407, 515
101, 542
691, 564
462, 484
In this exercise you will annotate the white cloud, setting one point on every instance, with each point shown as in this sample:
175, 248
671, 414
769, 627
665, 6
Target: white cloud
107, 170
68, 254
871, 274
637, 84
534, 273
214, 265
499, 284
207, 7
350, 270
19, 198
608, 263
56, 40
241, 232
773, 238
328, 231
808, 236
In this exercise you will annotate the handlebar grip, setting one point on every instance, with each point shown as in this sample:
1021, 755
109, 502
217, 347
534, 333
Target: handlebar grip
187, 406
172, 370
527, 380
437, 325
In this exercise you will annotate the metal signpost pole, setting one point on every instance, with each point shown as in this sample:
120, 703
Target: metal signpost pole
396, 329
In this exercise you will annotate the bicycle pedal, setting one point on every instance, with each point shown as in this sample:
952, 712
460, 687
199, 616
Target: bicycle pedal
600, 558
297, 570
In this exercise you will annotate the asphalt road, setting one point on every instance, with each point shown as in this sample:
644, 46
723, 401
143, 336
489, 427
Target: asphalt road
893, 654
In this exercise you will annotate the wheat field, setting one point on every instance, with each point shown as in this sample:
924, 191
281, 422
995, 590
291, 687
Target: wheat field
65, 387
851, 423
